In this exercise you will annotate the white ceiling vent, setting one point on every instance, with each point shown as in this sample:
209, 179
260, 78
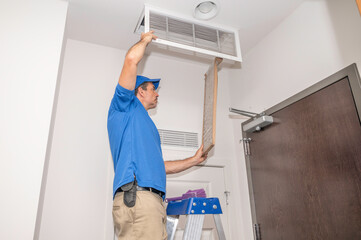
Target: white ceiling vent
178, 138
190, 34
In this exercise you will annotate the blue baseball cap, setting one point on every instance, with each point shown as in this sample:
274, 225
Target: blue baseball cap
142, 79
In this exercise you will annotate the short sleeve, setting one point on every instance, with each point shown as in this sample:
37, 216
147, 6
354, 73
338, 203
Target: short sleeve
122, 99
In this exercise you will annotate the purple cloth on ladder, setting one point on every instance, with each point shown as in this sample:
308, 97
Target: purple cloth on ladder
199, 193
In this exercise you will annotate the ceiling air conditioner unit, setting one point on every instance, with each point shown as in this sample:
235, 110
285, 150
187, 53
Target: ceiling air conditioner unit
190, 34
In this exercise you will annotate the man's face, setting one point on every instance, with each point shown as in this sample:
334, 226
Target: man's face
151, 96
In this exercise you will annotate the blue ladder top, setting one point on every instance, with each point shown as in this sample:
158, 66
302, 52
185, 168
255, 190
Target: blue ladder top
194, 206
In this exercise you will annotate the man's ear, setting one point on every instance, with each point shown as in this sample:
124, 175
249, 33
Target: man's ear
141, 91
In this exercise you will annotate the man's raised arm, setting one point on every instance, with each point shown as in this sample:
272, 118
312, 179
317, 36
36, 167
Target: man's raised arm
128, 75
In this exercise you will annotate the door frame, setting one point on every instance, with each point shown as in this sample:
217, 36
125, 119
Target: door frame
351, 72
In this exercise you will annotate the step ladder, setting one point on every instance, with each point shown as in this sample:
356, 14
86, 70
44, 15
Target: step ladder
195, 209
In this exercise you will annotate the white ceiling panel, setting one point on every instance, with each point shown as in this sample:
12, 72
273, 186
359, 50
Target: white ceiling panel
112, 22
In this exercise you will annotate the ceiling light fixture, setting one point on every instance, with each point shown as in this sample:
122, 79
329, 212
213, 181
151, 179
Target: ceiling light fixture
206, 10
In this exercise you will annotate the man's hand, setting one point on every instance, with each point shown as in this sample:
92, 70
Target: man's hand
148, 37
200, 156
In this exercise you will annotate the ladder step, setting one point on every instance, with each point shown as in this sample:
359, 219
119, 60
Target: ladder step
195, 209
194, 206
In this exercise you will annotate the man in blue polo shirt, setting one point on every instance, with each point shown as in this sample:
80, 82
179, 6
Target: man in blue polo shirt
140, 172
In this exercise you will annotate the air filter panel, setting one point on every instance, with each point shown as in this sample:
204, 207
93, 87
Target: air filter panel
190, 34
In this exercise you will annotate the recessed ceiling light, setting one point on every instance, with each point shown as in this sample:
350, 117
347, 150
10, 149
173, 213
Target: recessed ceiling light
205, 10
206, 7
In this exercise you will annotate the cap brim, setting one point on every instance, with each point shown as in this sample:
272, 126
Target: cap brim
155, 82
142, 79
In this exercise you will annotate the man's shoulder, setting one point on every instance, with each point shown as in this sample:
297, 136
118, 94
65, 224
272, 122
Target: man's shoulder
124, 93
123, 100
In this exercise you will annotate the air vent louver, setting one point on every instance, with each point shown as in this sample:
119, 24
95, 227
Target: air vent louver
178, 138
190, 34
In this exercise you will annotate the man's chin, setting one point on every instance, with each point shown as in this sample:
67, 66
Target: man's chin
154, 106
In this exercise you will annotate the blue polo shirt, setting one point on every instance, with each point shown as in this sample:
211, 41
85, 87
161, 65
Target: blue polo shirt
134, 143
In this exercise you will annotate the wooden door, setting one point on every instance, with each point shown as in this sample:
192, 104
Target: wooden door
305, 169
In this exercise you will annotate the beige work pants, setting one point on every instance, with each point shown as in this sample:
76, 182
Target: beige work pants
146, 220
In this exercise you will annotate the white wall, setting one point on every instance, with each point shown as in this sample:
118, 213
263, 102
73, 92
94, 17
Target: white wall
78, 182
31, 35
308, 46
346, 21
79, 186
316, 40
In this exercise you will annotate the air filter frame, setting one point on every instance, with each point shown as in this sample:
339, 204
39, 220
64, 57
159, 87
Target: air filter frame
144, 25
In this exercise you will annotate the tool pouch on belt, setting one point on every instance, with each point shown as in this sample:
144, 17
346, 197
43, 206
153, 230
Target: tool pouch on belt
130, 193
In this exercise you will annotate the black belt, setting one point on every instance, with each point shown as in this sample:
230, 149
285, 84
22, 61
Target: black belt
153, 190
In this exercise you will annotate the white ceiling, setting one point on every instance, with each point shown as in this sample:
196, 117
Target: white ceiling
112, 22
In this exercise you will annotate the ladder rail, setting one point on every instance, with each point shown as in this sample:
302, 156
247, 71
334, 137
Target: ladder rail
172, 223
219, 226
